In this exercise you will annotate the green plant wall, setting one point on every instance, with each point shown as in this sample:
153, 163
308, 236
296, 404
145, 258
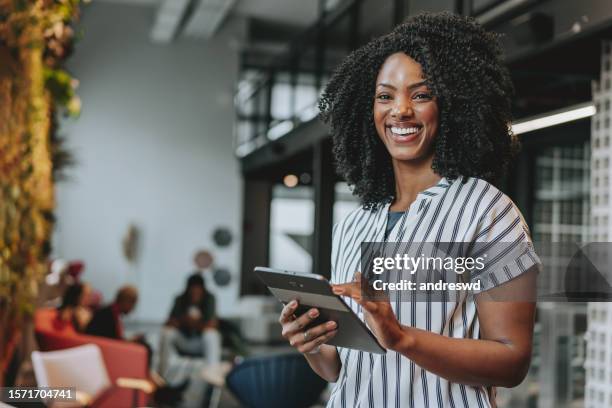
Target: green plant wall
35, 38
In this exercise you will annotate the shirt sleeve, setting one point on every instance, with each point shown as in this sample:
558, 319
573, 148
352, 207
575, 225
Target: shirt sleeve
502, 242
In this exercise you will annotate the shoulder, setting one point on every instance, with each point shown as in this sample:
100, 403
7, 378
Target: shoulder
477, 187
486, 197
494, 211
178, 301
106, 311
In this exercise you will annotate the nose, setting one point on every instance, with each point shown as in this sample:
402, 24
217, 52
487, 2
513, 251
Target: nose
401, 109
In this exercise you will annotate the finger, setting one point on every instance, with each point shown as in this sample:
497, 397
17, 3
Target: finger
288, 311
313, 344
298, 324
351, 289
353, 293
297, 339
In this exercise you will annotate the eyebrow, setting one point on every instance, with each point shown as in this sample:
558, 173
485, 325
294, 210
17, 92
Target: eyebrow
411, 86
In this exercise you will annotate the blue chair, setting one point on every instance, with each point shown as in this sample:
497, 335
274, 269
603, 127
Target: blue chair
277, 381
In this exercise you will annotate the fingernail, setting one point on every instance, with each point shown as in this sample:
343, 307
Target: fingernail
292, 303
331, 325
313, 313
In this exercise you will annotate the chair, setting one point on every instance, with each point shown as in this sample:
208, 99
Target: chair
82, 367
122, 359
277, 381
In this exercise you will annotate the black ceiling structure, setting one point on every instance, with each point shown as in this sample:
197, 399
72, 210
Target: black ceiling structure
552, 49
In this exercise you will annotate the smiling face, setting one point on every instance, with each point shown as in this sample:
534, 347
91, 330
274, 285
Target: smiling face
405, 112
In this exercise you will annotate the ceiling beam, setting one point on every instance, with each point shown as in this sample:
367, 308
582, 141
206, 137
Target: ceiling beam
132, 2
207, 17
169, 19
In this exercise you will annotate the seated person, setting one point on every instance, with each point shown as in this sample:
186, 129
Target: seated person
73, 313
191, 328
106, 321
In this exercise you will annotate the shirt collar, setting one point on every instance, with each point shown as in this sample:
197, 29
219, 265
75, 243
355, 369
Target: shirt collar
432, 191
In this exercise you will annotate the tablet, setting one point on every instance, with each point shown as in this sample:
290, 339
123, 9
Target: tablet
311, 290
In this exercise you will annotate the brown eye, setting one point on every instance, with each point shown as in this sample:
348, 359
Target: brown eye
422, 96
383, 97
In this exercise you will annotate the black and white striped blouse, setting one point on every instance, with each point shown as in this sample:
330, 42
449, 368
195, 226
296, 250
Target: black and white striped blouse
451, 211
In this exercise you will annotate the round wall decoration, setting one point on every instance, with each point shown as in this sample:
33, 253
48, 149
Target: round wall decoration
222, 237
203, 259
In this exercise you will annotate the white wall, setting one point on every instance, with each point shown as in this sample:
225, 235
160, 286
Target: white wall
154, 147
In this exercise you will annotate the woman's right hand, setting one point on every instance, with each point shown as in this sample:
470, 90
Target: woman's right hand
305, 341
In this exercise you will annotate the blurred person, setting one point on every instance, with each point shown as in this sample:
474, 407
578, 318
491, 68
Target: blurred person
62, 274
55, 284
420, 123
76, 269
191, 328
106, 321
73, 310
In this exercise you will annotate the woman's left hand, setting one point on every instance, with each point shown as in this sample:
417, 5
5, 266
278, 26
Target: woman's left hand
378, 313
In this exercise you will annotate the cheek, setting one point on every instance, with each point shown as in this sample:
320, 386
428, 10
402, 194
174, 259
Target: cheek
379, 118
430, 117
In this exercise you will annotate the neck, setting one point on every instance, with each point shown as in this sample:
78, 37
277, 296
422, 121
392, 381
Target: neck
410, 179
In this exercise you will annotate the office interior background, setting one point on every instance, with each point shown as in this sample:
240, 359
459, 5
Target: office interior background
198, 131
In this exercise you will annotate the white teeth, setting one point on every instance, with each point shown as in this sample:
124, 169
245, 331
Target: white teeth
404, 131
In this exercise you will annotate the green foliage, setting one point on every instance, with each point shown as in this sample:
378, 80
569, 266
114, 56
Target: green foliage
58, 82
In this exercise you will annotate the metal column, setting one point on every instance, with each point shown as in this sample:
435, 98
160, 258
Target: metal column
324, 182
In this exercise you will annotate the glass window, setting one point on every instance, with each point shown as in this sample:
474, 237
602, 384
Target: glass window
561, 214
291, 228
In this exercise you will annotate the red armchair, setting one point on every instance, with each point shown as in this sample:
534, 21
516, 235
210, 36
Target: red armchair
122, 358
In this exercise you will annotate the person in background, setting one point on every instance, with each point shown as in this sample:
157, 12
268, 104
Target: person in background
73, 310
191, 328
60, 275
106, 321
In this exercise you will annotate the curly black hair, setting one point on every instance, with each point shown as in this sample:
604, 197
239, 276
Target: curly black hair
463, 68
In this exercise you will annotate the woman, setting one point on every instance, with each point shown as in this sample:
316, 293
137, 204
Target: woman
420, 119
74, 313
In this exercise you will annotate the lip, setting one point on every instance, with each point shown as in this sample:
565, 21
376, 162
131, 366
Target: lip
400, 139
403, 124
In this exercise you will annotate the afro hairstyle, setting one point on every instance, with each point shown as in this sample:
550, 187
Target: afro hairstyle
463, 68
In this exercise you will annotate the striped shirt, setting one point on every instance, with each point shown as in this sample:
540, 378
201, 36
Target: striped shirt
451, 211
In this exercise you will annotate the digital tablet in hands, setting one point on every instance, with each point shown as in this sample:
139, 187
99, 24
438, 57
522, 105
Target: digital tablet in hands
312, 290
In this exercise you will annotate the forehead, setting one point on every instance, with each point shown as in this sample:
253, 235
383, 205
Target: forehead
401, 68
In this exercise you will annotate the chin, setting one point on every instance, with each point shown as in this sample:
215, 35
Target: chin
405, 154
